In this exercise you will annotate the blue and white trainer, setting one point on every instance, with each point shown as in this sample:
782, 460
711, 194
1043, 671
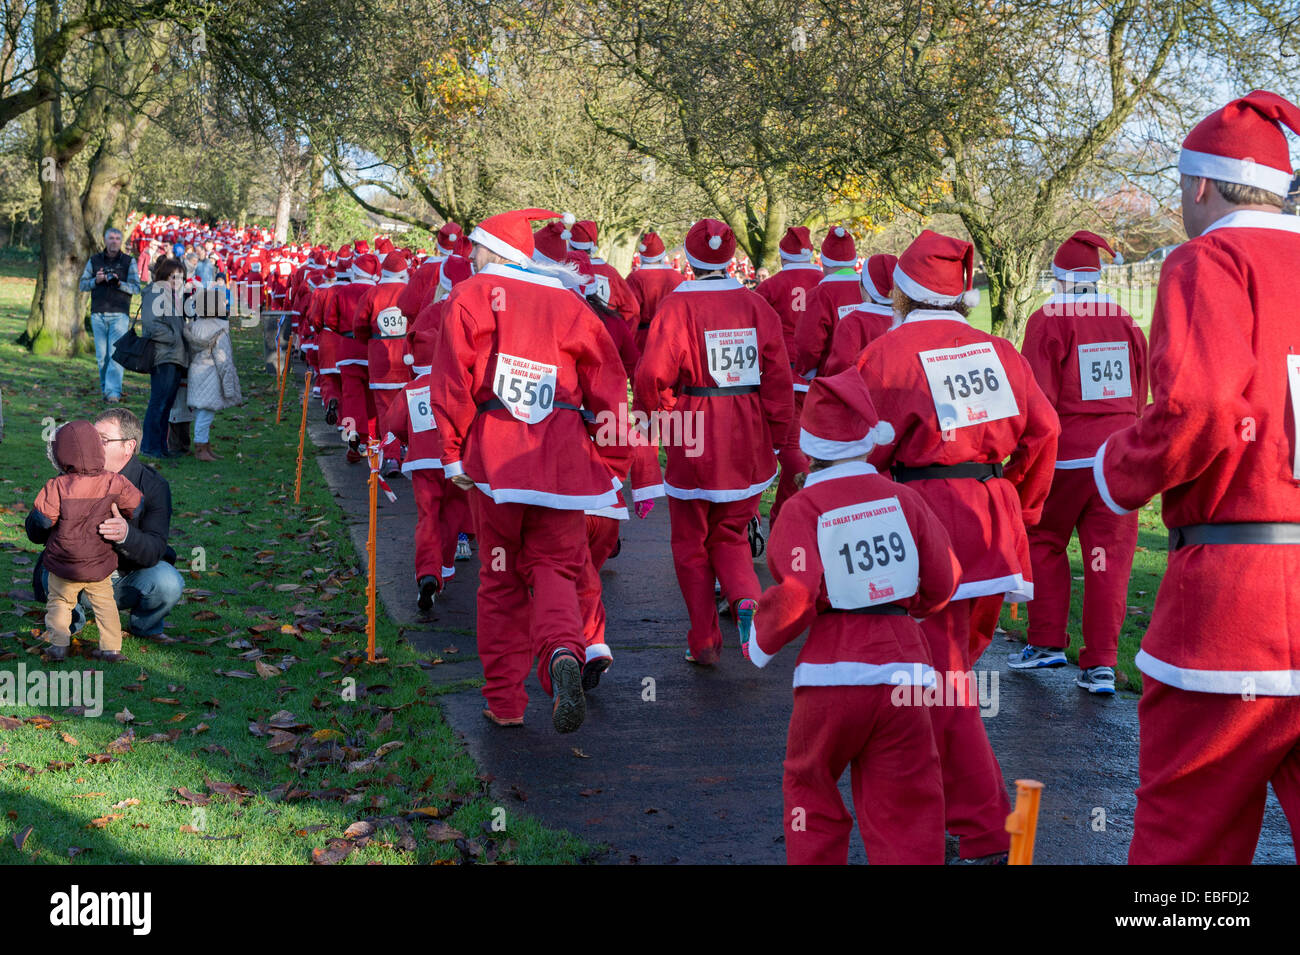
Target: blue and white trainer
1097, 680
1036, 658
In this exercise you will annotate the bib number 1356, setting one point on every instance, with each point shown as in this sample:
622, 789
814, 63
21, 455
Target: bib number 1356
969, 385
868, 554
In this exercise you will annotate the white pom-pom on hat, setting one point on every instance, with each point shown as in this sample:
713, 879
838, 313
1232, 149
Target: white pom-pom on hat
839, 231
882, 433
715, 242
408, 359
641, 247
566, 235
568, 219
970, 298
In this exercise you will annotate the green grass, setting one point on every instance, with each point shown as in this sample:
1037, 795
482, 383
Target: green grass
1140, 303
280, 578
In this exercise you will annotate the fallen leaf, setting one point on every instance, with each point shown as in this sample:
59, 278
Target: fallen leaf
266, 671
441, 832
122, 744
70, 740
74, 851
9, 723
237, 674
95, 759
580, 754
88, 795
20, 837
165, 699
388, 748
359, 830
125, 804
102, 821
201, 728
126, 716
188, 798
58, 766
281, 742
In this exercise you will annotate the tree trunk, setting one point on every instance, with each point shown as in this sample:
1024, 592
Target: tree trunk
283, 206
1012, 288
619, 251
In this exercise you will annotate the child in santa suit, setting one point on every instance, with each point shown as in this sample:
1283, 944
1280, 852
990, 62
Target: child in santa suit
324, 315
716, 358
787, 292
1219, 718
839, 288
650, 282
1090, 359
356, 410
857, 326
962, 402
859, 559
383, 326
583, 236
520, 362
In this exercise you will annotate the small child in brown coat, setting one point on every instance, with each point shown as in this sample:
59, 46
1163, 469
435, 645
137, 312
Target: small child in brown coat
77, 557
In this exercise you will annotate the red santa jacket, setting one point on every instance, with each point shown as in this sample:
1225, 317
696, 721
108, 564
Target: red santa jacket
1090, 359
382, 325
812, 333
341, 313
614, 290
423, 283
410, 420
992, 408
858, 326
649, 284
422, 339
1219, 442
788, 292
713, 334
853, 538
518, 356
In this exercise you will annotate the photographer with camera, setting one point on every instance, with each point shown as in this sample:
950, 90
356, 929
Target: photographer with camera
111, 278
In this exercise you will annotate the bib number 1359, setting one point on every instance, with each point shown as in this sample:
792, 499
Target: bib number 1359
868, 554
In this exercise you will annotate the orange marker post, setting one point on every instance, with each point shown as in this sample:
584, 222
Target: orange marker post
1023, 822
370, 553
1015, 611
302, 437
282, 375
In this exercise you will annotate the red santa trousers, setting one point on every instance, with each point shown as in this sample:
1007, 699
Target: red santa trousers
975, 797
897, 783
356, 406
710, 540
380, 399
602, 541
442, 512
1108, 541
1204, 764
331, 387
793, 462
523, 547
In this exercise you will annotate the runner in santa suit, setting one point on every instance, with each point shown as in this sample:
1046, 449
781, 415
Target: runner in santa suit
840, 287
962, 402
613, 288
650, 282
424, 280
356, 412
1090, 359
519, 360
383, 327
324, 318
314, 279
787, 292
1219, 717
866, 660
716, 358
859, 325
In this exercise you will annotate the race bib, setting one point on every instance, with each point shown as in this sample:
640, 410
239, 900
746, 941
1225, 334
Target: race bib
526, 388
969, 385
733, 356
1104, 371
1293, 377
284, 268
868, 554
419, 409
847, 310
602, 288
391, 322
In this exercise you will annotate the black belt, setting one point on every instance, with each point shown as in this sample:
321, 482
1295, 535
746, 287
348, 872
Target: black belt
1249, 533
643, 325
879, 610
714, 392
346, 334
981, 472
496, 404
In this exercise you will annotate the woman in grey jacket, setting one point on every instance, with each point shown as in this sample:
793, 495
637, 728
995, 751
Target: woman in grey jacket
163, 324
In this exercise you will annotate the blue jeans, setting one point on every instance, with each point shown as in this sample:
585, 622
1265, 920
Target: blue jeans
148, 594
164, 383
108, 328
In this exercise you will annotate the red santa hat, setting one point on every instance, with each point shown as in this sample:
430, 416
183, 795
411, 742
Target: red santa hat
710, 245
938, 270
796, 245
383, 245
509, 235
361, 246
1243, 143
365, 267
878, 278
651, 247
454, 270
449, 237
549, 246
581, 262
1079, 257
839, 419
838, 250
582, 235
394, 268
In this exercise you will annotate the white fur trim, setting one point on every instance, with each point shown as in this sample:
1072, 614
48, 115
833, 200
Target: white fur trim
708, 285
561, 502
846, 469
402, 276
1074, 464
421, 464
720, 496
653, 259
535, 278
757, 657
1084, 276
703, 266
1245, 172
618, 513
454, 469
869, 287
599, 651
839, 264
647, 493
856, 673
1262, 682
1014, 587
1099, 478
421, 370
1254, 219
501, 247
919, 293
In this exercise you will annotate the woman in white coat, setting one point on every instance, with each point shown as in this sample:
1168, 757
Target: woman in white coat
213, 382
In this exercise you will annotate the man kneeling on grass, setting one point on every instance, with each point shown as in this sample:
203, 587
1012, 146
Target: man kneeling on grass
147, 585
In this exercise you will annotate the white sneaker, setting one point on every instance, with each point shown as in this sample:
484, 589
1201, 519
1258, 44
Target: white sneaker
1097, 680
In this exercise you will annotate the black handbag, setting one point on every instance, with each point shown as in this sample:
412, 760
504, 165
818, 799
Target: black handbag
133, 352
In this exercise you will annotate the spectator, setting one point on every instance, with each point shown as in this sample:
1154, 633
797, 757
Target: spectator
163, 324
77, 560
111, 278
191, 262
213, 383
148, 587
205, 269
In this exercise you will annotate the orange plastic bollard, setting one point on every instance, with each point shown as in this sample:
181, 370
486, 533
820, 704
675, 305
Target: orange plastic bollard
282, 375
1023, 822
302, 437
370, 554
1015, 611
